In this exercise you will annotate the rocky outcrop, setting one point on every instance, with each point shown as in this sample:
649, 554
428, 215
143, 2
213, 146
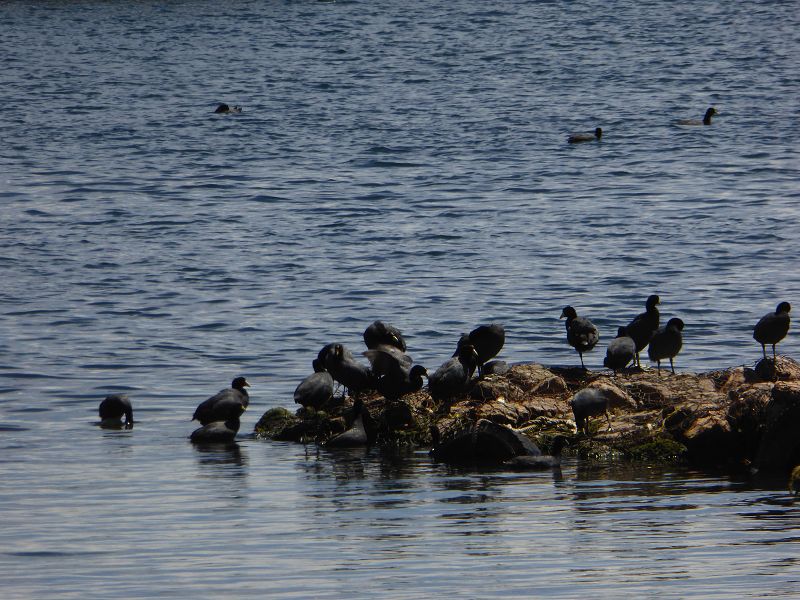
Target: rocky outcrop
740, 416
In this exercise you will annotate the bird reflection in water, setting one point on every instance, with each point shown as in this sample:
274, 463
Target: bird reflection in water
222, 459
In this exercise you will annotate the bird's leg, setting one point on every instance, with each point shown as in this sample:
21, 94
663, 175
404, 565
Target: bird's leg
672, 366
774, 358
658, 367
608, 420
764, 350
581, 355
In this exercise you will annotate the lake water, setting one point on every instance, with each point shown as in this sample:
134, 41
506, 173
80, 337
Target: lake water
404, 161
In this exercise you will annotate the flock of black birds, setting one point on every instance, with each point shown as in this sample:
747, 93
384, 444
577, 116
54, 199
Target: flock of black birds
392, 373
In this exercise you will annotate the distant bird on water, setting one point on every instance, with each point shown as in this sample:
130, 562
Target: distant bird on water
621, 351
225, 109
113, 408
772, 328
644, 325
581, 332
487, 340
706, 118
666, 343
379, 333
219, 406
577, 138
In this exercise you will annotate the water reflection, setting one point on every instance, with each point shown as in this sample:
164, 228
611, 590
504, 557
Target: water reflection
221, 459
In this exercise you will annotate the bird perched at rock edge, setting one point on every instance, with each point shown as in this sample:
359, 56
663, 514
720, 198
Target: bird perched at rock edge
379, 333
644, 325
589, 402
666, 343
487, 340
345, 369
581, 332
772, 328
528, 462
216, 408
222, 430
453, 377
621, 351
356, 434
316, 389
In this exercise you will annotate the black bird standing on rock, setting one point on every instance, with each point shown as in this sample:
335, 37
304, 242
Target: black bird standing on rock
219, 405
380, 333
589, 402
487, 340
581, 332
644, 325
113, 408
620, 351
452, 378
345, 369
666, 343
316, 389
222, 430
772, 328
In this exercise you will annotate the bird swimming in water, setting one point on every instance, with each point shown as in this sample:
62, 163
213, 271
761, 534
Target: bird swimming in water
113, 408
589, 402
453, 377
706, 118
772, 328
581, 332
380, 333
316, 389
219, 405
621, 351
527, 462
222, 430
666, 343
225, 109
644, 325
487, 340
577, 138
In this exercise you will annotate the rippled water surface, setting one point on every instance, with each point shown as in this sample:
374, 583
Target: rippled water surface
395, 160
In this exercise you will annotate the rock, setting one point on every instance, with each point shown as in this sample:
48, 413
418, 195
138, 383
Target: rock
781, 369
780, 445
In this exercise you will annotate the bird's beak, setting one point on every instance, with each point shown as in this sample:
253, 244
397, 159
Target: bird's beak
562, 315
245, 384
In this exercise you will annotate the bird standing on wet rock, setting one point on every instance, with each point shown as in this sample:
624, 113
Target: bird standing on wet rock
222, 430
345, 369
589, 402
113, 408
487, 340
620, 352
666, 343
581, 332
772, 328
316, 389
452, 378
644, 325
218, 407
380, 333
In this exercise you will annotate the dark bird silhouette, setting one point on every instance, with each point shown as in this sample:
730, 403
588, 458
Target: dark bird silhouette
394, 373
221, 430
487, 340
380, 333
706, 118
113, 408
345, 369
666, 343
772, 328
577, 138
620, 352
453, 377
589, 402
220, 404
541, 462
316, 389
356, 434
644, 325
581, 332
495, 367
225, 109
